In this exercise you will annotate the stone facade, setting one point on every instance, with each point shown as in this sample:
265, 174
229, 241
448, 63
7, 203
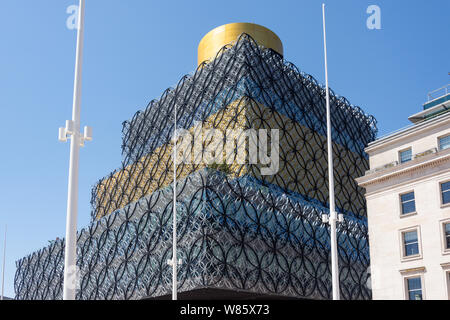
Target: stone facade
387, 180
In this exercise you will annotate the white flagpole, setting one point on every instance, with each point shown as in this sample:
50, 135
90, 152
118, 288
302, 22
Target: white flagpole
3, 269
174, 235
332, 219
73, 129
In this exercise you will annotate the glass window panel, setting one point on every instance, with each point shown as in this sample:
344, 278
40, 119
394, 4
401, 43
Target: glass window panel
446, 197
414, 289
405, 156
408, 207
407, 196
411, 243
411, 249
445, 188
410, 236
444, 143
414, 283
447, 235
415, 295
408, 203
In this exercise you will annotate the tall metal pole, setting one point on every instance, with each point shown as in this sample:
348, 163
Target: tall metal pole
174, 235
333, 217
70, 258
3, 269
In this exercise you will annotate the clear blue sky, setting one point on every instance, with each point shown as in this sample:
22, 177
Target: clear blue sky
136, 49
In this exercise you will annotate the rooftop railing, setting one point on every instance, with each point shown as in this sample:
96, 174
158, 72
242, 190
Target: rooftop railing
435, 94
437, 97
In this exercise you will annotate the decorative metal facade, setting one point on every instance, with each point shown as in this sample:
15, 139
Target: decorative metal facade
238, 229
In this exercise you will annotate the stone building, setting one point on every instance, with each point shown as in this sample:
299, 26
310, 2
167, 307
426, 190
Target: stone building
408, 203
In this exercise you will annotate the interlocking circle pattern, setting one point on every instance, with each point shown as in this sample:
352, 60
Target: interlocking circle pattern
237, 228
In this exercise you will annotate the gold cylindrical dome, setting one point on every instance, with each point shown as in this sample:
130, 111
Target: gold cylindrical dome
214, 40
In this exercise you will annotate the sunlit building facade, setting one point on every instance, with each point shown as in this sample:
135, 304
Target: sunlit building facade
408, 203
245, 228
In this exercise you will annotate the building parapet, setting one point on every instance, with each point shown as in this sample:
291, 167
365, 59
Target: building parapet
423, 159
437, 96
393, 137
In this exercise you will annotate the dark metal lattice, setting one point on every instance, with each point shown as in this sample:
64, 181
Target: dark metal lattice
238, 228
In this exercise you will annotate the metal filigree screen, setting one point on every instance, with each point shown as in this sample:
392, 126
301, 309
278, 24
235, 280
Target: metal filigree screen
239, 227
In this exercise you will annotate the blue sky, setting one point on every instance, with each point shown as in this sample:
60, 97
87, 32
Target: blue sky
136, 49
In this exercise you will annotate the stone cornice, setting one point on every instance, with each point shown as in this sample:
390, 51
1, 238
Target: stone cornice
431, 160
413, 270
402, 134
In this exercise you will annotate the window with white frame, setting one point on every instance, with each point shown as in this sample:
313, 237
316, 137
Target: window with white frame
405, 155
445, 192
414, 288
444, 142
448, 285
447, 278
410, 243
408, 203
446, 227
